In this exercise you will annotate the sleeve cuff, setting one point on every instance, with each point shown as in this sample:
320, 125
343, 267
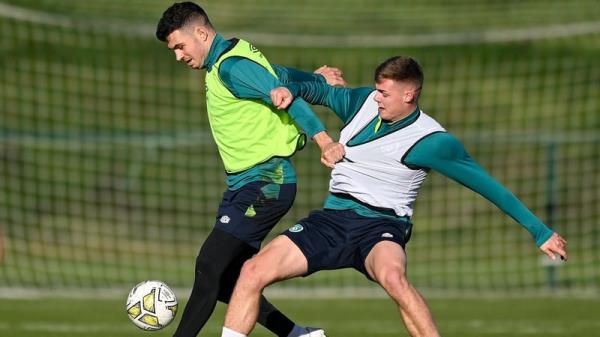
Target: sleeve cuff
294, 88
543, 236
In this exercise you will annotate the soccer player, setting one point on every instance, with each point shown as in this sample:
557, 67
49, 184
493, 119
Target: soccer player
255, 141
391, 144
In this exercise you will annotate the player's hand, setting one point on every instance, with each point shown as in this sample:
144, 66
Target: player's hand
281, 97
331, 152
333, 76
555, 245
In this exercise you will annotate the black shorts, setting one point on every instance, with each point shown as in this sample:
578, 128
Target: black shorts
332, 239
251, 211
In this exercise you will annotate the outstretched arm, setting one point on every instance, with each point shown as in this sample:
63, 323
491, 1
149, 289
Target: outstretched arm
324, 74
345, 102
446, 154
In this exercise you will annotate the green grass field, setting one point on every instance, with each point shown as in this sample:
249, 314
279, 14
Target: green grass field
341, 318
109, 175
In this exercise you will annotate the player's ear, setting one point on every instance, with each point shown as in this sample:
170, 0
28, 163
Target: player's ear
409, 96
201, 33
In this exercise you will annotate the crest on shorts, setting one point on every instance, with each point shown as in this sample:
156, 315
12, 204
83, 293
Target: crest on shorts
296, 228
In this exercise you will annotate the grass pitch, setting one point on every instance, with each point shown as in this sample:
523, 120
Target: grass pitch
342, 318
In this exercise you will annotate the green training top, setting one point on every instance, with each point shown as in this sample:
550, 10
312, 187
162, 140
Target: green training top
439, 151
247, 132
248, 80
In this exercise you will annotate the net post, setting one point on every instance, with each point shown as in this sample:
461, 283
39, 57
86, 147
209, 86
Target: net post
551, 184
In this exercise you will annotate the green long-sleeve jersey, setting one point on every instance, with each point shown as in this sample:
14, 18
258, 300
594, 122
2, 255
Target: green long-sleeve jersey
439, 151
249, 80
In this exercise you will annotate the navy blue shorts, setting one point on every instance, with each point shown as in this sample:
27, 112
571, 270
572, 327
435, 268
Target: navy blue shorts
332, 239
251, 211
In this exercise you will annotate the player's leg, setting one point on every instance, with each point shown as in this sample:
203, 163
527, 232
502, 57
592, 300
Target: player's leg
217, 267
386, 264
249, 213
216, 255
281, 259
269, 316
218, 252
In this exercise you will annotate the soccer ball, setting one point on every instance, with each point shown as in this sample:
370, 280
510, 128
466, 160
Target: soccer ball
151, 305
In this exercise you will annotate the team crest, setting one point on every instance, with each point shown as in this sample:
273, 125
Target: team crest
296, 228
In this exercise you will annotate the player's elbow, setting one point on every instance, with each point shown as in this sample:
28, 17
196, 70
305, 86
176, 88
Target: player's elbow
507, 200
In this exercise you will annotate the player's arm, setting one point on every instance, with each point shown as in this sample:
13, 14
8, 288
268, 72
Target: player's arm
324, 74
444, 153
247, 79
345, 102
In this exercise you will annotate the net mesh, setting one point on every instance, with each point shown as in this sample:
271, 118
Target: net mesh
109, 174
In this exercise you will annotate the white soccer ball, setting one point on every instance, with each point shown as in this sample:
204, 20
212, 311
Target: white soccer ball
151, 305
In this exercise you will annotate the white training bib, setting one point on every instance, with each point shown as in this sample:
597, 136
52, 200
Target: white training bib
373, 172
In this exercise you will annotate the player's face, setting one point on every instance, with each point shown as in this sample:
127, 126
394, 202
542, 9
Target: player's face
395, 99
190, 46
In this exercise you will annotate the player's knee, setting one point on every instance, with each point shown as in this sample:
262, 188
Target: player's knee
394, 281
252, 275
206, 280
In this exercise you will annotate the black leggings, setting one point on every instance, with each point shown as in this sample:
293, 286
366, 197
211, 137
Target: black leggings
217, 269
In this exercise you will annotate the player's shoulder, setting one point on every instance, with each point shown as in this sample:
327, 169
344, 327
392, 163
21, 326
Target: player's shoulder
234, 62
363, 92
359, 96
427, 121
439, 144
239, 68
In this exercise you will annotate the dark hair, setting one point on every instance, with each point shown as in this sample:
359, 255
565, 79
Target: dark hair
179, 15
400, 68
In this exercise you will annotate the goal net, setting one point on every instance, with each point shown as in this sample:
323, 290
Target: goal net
109, 174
